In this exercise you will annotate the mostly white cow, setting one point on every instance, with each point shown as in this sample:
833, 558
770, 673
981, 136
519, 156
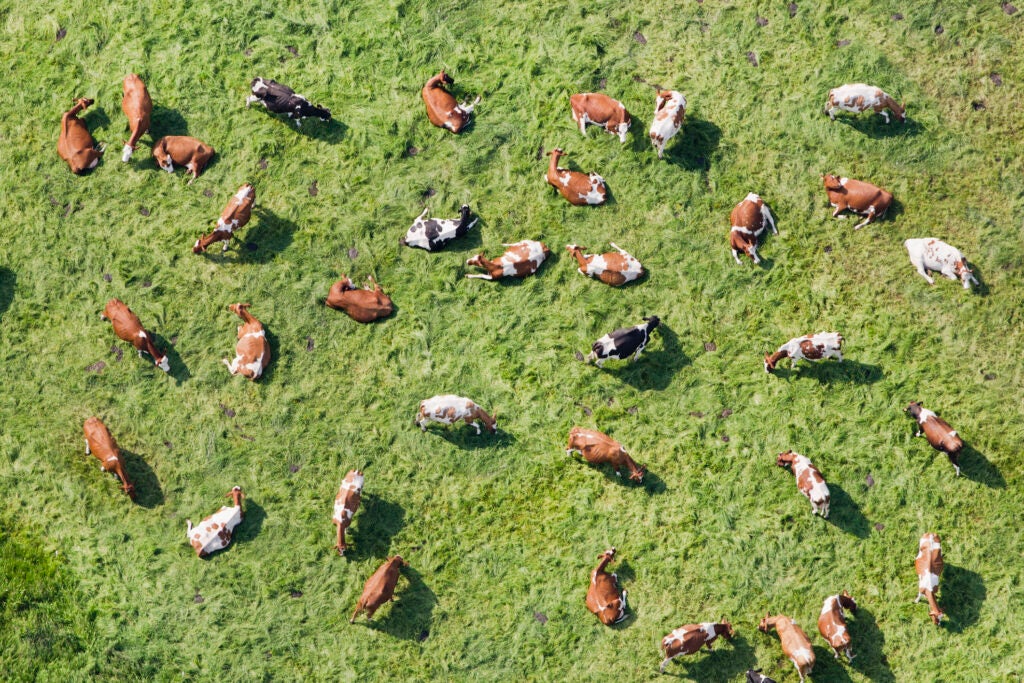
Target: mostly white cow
623, 342
669, 111
519, 260
846, 194
832, 623
448, 409
612, 268
930, 254
749, 219
434, 233
600, 110
214, 532
812, 347
858, 97
808, 481
280, 99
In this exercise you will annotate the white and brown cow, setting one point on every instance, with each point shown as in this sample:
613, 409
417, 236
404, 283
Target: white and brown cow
808, 480
928, 565
235, 216
579, 189
128, 327
137, 107
690, 638
362, 305
930, 254
434, 233
214, 532
380, 587
603, 596
345, 505
100, 443
601, 110
847, 194
184, 151
75, 144
812, 347
858, 97
940, 435
669, 111
623, 342
442, 108
795, 643
749, 219
832, 623
252, 351
448, 409
519, 260
598, 448
611, 268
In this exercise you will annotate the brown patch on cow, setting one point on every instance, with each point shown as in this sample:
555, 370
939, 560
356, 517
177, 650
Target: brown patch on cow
107, 277
263, 163
842, 43
353, 253
207, 192
996, 78
726, 413
291, 48
939, 30
97, 366
710, 346
118, 353
752, 58
792, 9
697, 414
761, 21
897, 17
540, 617
296, 594
1009, 8
869, 481
309, 344
640, 38
144, 211
227, 411
313, 189
978, 105
198, 599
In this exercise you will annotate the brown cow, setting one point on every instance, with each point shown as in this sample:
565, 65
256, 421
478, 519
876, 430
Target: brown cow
75, 144
184, 151
345, 505
252, 351
579, 189
929, 566
688, 639
749, 219
379, 588
362, 305
442, 109
795, 644
611, 268
101, 444
519, 260
128, 327
808, 480
138, 107
940, 435
847, 194
234, 217
598, 448
599, 109
832, 623
603, 597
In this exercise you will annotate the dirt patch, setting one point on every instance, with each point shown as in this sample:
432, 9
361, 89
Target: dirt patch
752, 58
939, 30
869, 481
726, 413
207, 192
144, 211
309, 344
540, 617
897, 17
291, 48
1007, 7
761, 21
412, 151
710, 346
107, 277
61, 32
640, 38
198, 599
842, 43
792, 9
996, 78
227, 411
118, 353
313, 189
293, 468
96, 367
697, 414
263, 163
353, 253
602, 84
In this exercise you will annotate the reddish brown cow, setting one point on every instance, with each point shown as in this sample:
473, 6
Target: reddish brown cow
184, 151
252, 351
690, 638
603, 597
940, 435
601, 110
579, 189
832, 623
598, 448
611, 268
795, 643
749, 219
929, 566
362, 305
856, 196
235, 216
380, 587
345, 505
519, 260
137, 106
75, 144
442, 109
101, 444
128, 327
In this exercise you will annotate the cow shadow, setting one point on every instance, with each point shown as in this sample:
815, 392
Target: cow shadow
164, 121
466, 438
148, 493
179, 371
253, 516
981, 289
96, 118
977, 467
727, 661
8, 280
828, 668
845, 514
962, 595
332, 132
271, 235
874, 126
693, 146
411, 612
654, 369
830, 371
868, 640
379, 521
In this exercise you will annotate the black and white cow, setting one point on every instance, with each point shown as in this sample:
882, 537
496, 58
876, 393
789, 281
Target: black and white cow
280, 99
434, 233
623, 342
755, 676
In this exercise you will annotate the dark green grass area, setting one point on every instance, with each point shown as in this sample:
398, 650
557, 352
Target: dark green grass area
502, 531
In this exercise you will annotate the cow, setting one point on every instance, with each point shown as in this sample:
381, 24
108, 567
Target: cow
434, 233
795, 644
812, 347
623, 342
603, 596
832, 623
579, 189
690, 638
379, 588
598, 448
749, 219
345, 505
137, 107
930, 254
669, 111
184, 151
601, 110
75, 144
234, 217
856, 196
362, 305
280, 99
940, 435
755, 676
128, 327
929, 566
858, 97
808, 480
448, 409
519, 260
100, 443
214, 532
611, 268
442, 109
252, 351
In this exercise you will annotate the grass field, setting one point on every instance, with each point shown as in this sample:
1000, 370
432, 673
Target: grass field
502, 531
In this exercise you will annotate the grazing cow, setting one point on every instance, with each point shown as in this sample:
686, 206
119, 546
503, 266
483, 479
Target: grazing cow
75, 144
442, 109
519, 260
235, 216
128, 327
610, 268
858, 97
280, 99
598, 448
599, 109
252, 351
189, 152
940, 435
100, 443
362, 305
379, 588
434, 233
813, 347
749, 219
623, 342
137, 107
688, 639
345, 505
929, 566
448, 409
930, 254
579, 189
795, 644
669, 111
808, 480
832, 623
856, 196
214, 532
755, 676
603, 596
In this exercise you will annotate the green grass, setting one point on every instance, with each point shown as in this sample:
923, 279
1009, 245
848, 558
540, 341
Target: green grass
499, 529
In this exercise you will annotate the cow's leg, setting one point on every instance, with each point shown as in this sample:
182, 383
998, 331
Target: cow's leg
468, 108
886, 115
249, 100
799, 672
919, 594
848, 651
88, 451
924, 274
735, 255
839, 209
753, 254
831, 111
479, 276
582, 123
476, 425
871, 217
665, 662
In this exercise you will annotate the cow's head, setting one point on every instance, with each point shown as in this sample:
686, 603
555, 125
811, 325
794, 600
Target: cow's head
769, 364
965, 273
163, 158
477, 261
346, 283
784, 459
727, 630
662, 99
914, 409
831, 182
162, 363
464, 213
638, 474
128, 488
763, 626
652, 322
937, 615
573, 248
847, 601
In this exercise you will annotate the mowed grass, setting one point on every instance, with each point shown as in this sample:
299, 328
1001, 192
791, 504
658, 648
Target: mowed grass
502, 531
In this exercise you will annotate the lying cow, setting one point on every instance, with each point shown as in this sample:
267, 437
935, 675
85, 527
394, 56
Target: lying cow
100, 443
75, 144
448, 409
930, 254
832, 623
379, 588
669, 111
345, 505
128, 327
235, 216
252, 351
795, 643
940, 435
623, 343
442, 109
611, 268
858, 97
519, 260
808, 481
749, 219
280, 99
929, 565
690, 638
362, 305
813, 347
755, 676
598, 448
214, 532
184, 151
434, 233
579, 189
137, 107
600, 110
603, 596
856, 196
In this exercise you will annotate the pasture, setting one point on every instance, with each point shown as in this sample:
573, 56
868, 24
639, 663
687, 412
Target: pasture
501, 532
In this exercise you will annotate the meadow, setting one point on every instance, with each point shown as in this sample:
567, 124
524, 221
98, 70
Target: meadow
501, 532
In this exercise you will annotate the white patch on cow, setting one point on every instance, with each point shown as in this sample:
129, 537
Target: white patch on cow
709, 631
256, 367
802, 655
167, 165
207, 536
94, 162
745, 231
664, 127
928, 581
141, 334
925, 414
257, 334
164, 364
593, 197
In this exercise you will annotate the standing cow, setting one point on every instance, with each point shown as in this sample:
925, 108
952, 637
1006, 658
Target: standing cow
930, 254
808, 481
611, 268
669, 111
601, 110
100, 443
345, 505
448, 409
749, 219
690, 638
598, 448
795, 643
623, 342
128, 327
379, 588
603, 596
137, 107
235, 216
75, 144
856, 196
832, 623
929, 565
858, 97
937, 431
442, 109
